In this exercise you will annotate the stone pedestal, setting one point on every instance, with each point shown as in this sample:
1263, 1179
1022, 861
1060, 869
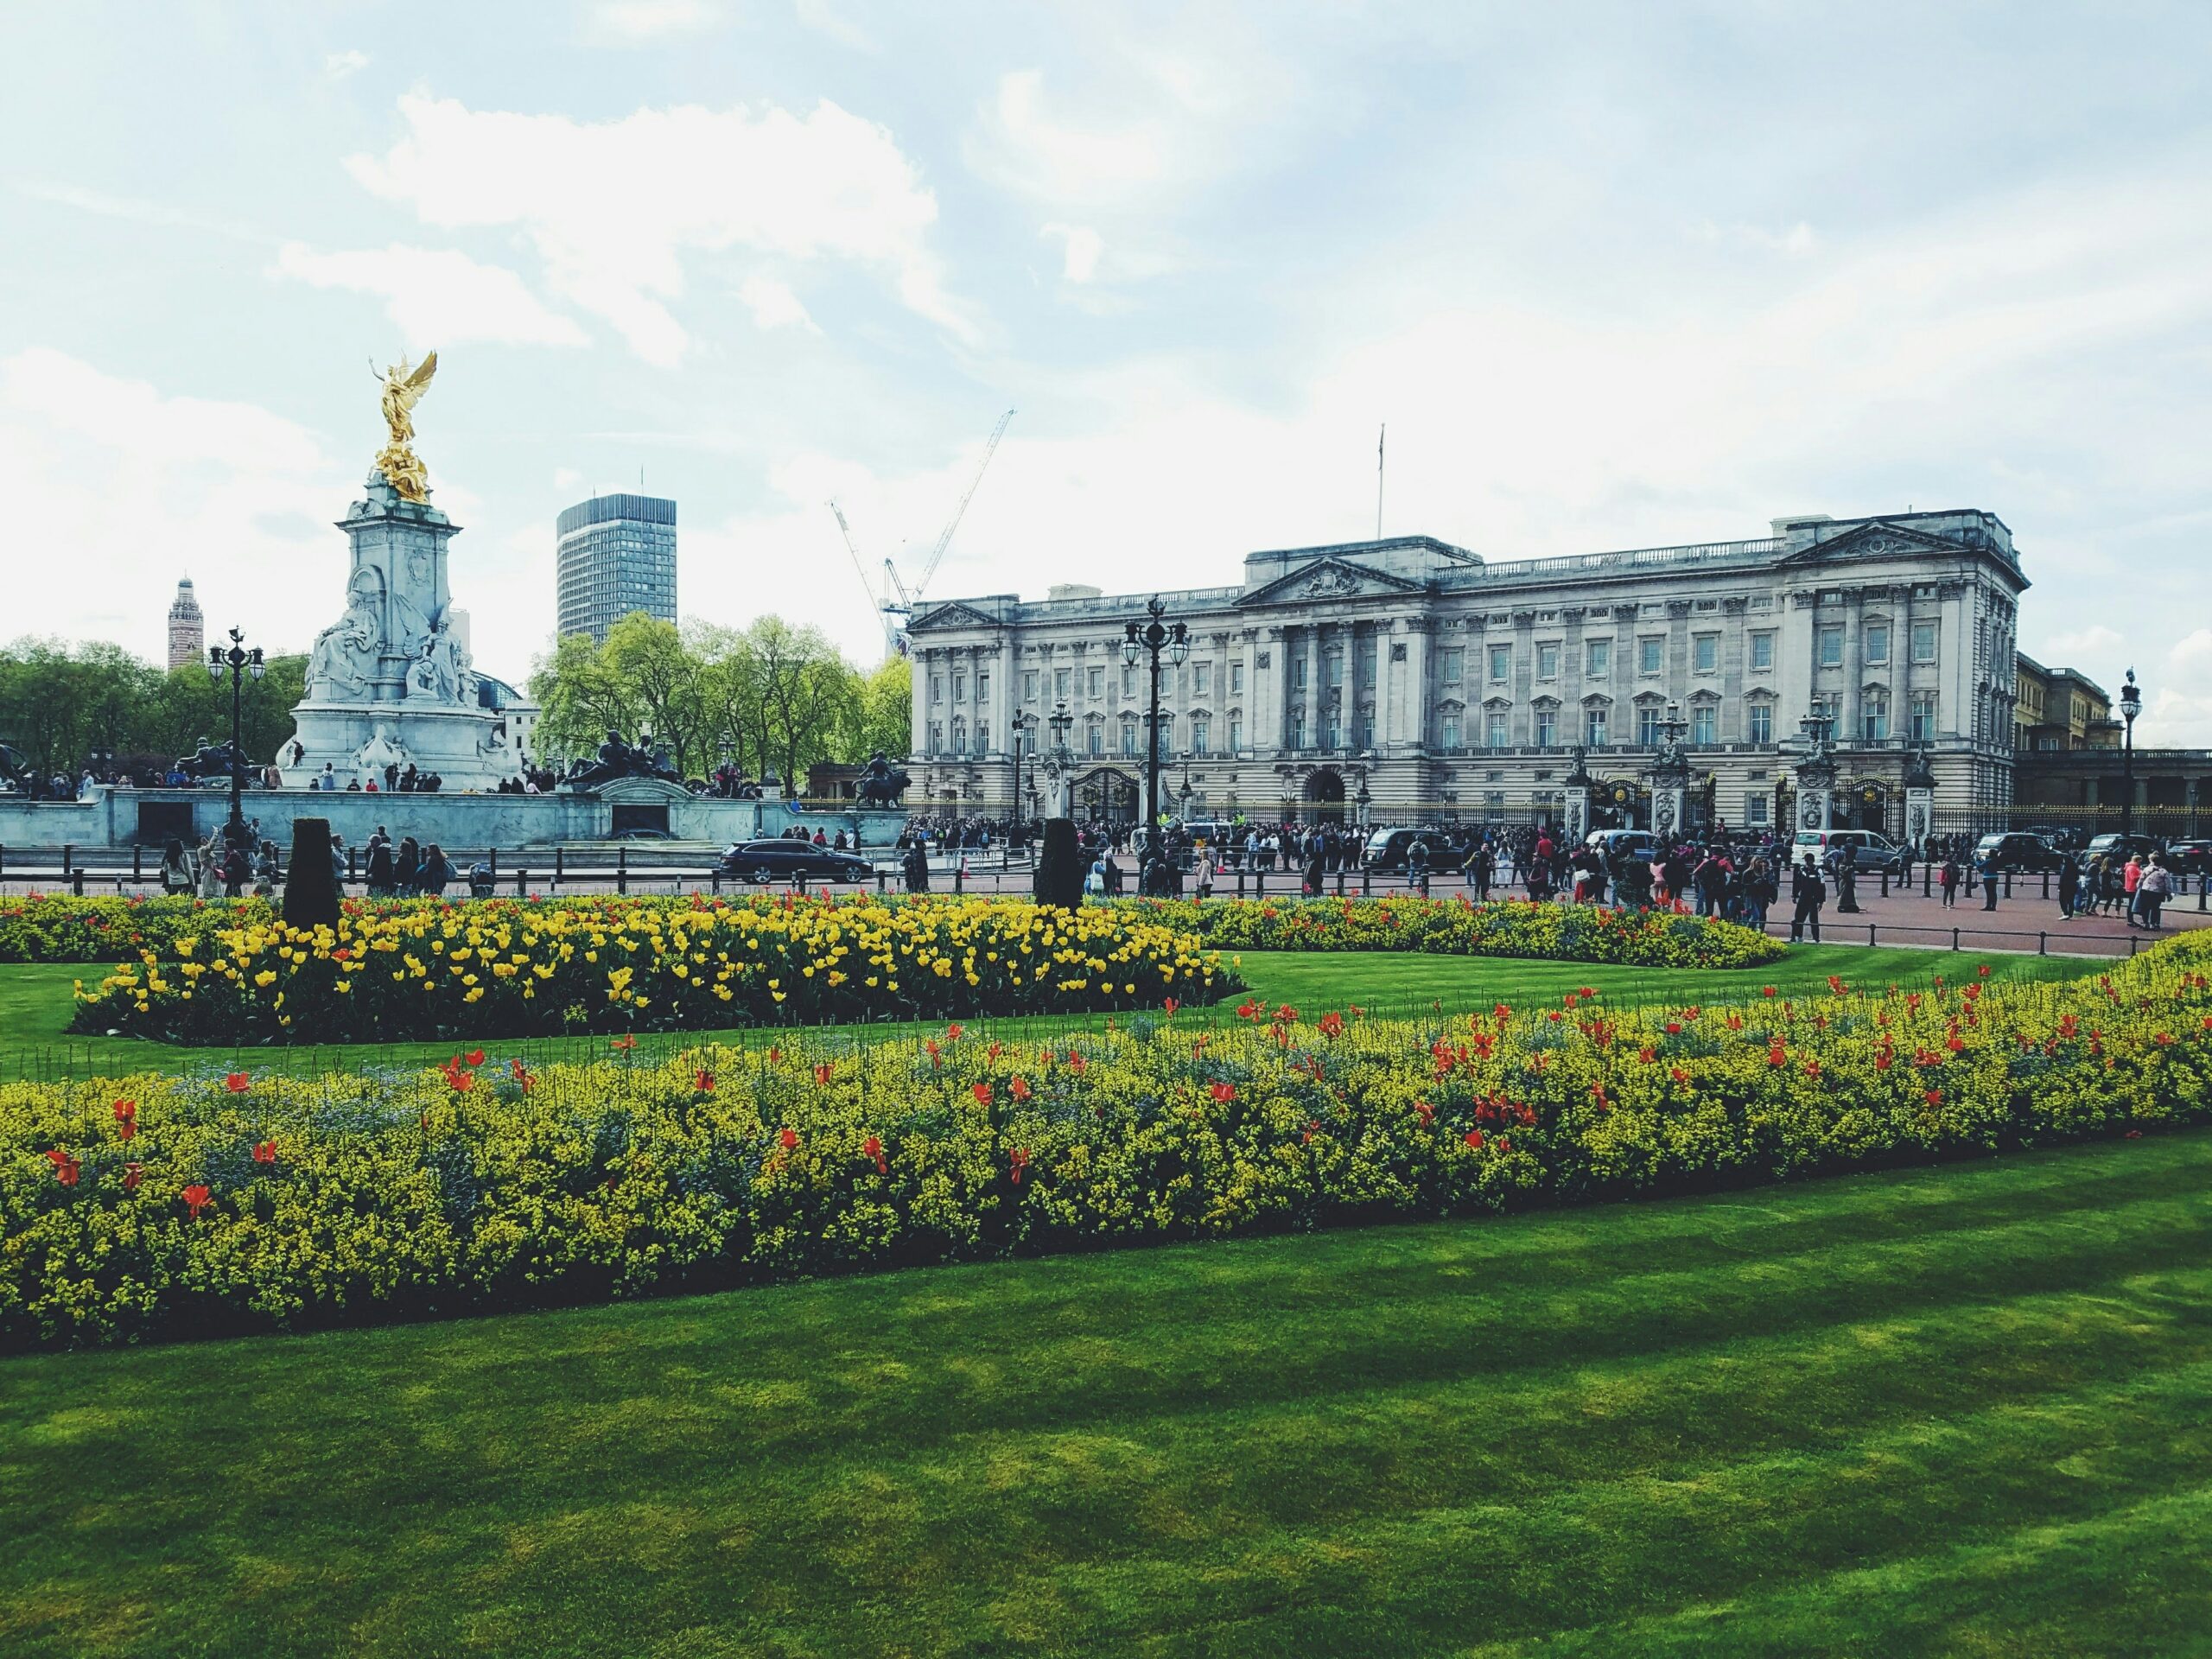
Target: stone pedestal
1816, 795
1575, 808
390, 682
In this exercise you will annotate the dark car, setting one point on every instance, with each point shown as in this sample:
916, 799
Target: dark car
1386, 849
2017, 850
2122, 847
2191, 857
792, 860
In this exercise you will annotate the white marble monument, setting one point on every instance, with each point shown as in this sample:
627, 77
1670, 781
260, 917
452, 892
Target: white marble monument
390, 684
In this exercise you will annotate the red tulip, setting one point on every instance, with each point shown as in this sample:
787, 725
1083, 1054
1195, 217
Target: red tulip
1018, 1160
822, 1073
238, 1082
133, 1172
1474, 1139
788, 1139
1426, 1112
873, 1148
265, 1153
1223, 1093
1169, 1007
66, 1168
126, 1110
474, 1056
705, 1083
952, 1032
1018, 1089
626, 1042
195, 1198
982, 1094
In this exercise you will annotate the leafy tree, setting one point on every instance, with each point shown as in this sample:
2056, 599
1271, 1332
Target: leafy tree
886, 711
583, 698
648, 658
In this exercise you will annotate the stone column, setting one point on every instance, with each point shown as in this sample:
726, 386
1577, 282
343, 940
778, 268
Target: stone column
1386, 633
1816, 795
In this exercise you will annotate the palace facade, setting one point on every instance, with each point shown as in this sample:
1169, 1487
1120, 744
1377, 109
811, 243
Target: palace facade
1406, 680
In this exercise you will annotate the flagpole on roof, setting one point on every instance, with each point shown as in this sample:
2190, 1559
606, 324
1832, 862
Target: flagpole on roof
1381, 433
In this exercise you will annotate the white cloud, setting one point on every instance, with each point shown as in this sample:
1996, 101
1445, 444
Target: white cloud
2180, 714
1082, 246
773, 305
820, 16
1795, 241
565, 480
2094, 641
651, 20
338, 65
124, 488
436, 297
615, 208
1028, 146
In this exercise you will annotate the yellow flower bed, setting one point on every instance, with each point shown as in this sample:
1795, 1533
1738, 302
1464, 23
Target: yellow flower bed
511, 968
157, 1204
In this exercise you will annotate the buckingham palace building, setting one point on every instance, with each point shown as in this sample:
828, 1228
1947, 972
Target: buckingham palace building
1407, 681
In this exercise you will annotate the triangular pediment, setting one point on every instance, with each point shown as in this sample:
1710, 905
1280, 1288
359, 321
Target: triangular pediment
951, 614
1325, 581
1876, 539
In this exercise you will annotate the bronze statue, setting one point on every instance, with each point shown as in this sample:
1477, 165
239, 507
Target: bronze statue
881, 783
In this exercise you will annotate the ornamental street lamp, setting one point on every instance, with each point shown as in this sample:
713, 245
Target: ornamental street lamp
2131, 704
237, 662
1025, 736
1148, 642
1058, 759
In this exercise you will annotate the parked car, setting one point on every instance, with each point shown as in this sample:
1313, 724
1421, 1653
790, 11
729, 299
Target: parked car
2111, 844
1637, 846
1386, 849
2067, 837
2191, 857
792, 860
1871, 854
2017, 850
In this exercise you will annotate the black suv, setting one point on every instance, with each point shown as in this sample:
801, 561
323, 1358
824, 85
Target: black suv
2018, 851
790, 860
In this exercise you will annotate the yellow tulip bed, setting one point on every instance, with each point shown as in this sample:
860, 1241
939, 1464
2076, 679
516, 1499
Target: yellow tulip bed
154, 1204
495, 967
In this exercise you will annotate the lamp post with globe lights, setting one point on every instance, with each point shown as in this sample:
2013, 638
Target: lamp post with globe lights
237, 662
1150, 642
2131, 705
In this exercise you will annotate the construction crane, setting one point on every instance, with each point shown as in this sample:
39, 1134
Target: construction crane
898, 601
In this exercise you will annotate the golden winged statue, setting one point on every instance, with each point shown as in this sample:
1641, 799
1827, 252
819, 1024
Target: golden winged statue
404, 385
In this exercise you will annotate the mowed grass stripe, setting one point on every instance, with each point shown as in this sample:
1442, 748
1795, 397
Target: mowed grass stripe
1397, 1440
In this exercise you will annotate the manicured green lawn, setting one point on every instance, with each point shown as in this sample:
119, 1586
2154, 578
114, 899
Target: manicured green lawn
1937, 1411
36, 1005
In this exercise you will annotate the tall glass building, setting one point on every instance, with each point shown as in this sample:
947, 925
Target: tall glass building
615, 554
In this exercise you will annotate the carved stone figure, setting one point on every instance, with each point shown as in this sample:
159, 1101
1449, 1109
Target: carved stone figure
344, 653
441, 672
618, 760
382, 750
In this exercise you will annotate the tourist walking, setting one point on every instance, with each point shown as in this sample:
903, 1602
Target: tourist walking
435, 872
1947, 879
407, 868
2131, 883
2069, 888
2150, 890
180, 871
1807, 894
380, 870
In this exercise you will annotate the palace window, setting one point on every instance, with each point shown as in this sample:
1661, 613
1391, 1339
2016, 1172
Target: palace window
1593, 726
937, 737
1705, 720
1499, 734
1095, 736
1762, 651
1647, 726
936, 687
1235, 732
1129, 682
1501, 664
1363, 726
1201, 728
1094, 683
1298, 729
1333, 667
1877, 643
1548, 660
1202, 679
1335, 727
1705, 653
1029, 685
1598, 658
1297, 673
1923, 642
1060, 678
1451, 664
1755, 808
1874, 716
960, 688
1924, 716
1128, 735
1449, 730
1237, 679
983, 737
1830, 642
959, 733
982, 685
1650, 653
1546, 728
1759, 722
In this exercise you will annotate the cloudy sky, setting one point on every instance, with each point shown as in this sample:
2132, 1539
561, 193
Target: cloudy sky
1614, 275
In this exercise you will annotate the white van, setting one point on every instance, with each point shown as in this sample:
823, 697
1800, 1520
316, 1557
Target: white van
1871, 854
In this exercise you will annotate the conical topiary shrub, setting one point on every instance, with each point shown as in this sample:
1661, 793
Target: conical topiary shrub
1059, 865
310, 886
